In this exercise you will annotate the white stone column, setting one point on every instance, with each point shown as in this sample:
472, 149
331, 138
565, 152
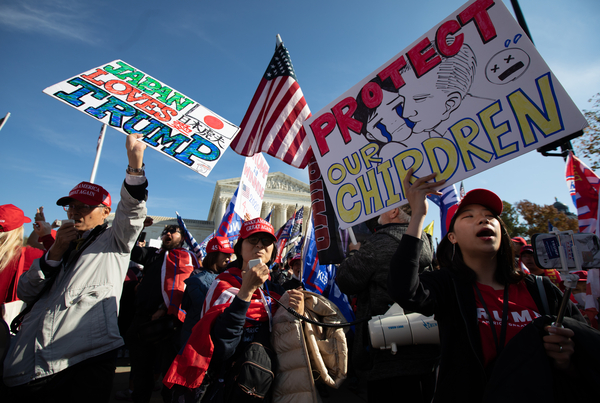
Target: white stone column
266, 209
280, 215
221, 207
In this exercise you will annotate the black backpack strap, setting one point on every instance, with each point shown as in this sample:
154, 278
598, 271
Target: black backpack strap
540, 284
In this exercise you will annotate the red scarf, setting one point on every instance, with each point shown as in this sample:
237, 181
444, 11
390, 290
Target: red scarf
189, 368
177, 267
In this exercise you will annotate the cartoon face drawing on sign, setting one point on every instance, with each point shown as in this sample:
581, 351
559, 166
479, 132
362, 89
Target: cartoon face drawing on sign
384, 123
507, 65
431, 99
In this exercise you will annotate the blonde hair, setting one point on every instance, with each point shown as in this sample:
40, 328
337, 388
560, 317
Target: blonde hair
10, 246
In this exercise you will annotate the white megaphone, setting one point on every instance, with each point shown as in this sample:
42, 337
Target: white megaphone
397, 329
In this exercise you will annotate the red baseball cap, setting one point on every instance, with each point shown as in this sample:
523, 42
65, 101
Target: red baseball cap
483, 197
519, 240
88, 193
256, 225
582, 274
219, 244
11, 217
297, 256
526, 248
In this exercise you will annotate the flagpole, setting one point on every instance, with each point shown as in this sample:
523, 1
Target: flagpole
352, 237
98, 152
3, 121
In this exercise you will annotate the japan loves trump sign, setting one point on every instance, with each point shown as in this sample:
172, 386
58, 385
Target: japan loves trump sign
131, 101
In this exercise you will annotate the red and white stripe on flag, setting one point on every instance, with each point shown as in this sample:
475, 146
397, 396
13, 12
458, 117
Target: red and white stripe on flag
273, 122
584, 185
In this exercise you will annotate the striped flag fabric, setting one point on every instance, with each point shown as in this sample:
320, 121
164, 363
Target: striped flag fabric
231, 223
224, 289
283, 235
297, 228
314, 279
245, 191
273, 122
448, 199
189, 239
584, 185
203, 245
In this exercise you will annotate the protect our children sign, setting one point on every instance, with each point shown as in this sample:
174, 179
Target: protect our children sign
470, 94
252, 187
129, 100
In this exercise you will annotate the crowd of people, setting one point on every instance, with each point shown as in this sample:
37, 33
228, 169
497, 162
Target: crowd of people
233, 327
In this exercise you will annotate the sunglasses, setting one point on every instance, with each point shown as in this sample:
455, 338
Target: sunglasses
266, 241
170, 231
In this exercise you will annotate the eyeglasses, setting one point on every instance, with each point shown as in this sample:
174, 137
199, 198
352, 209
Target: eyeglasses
82, 209
169, 231
266, 241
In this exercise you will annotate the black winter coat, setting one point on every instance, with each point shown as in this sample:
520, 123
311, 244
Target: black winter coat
450, 297
365, 274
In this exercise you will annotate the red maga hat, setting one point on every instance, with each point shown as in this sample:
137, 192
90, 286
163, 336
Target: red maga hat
582, 274
526, 249
219, 244
519, 240
483, 197
88, 193
11, 217
256, 225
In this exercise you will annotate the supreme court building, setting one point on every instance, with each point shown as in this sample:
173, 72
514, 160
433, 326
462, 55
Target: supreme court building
283, 194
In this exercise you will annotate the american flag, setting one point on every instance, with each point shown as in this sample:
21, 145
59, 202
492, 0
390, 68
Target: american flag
283, 235
101, 138
297, 229
224, 289
189, 239
273, 122
584, 185
448, 199
245, 191
189, 366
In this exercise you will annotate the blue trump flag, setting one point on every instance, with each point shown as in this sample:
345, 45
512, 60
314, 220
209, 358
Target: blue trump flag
231, 223
448, 199
320, 278
230, 227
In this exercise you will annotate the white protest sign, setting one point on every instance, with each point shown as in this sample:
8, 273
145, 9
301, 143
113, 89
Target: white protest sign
130, 101
252, 186
470, 94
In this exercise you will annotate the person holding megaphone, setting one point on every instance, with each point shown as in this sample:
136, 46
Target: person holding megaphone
489, 313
